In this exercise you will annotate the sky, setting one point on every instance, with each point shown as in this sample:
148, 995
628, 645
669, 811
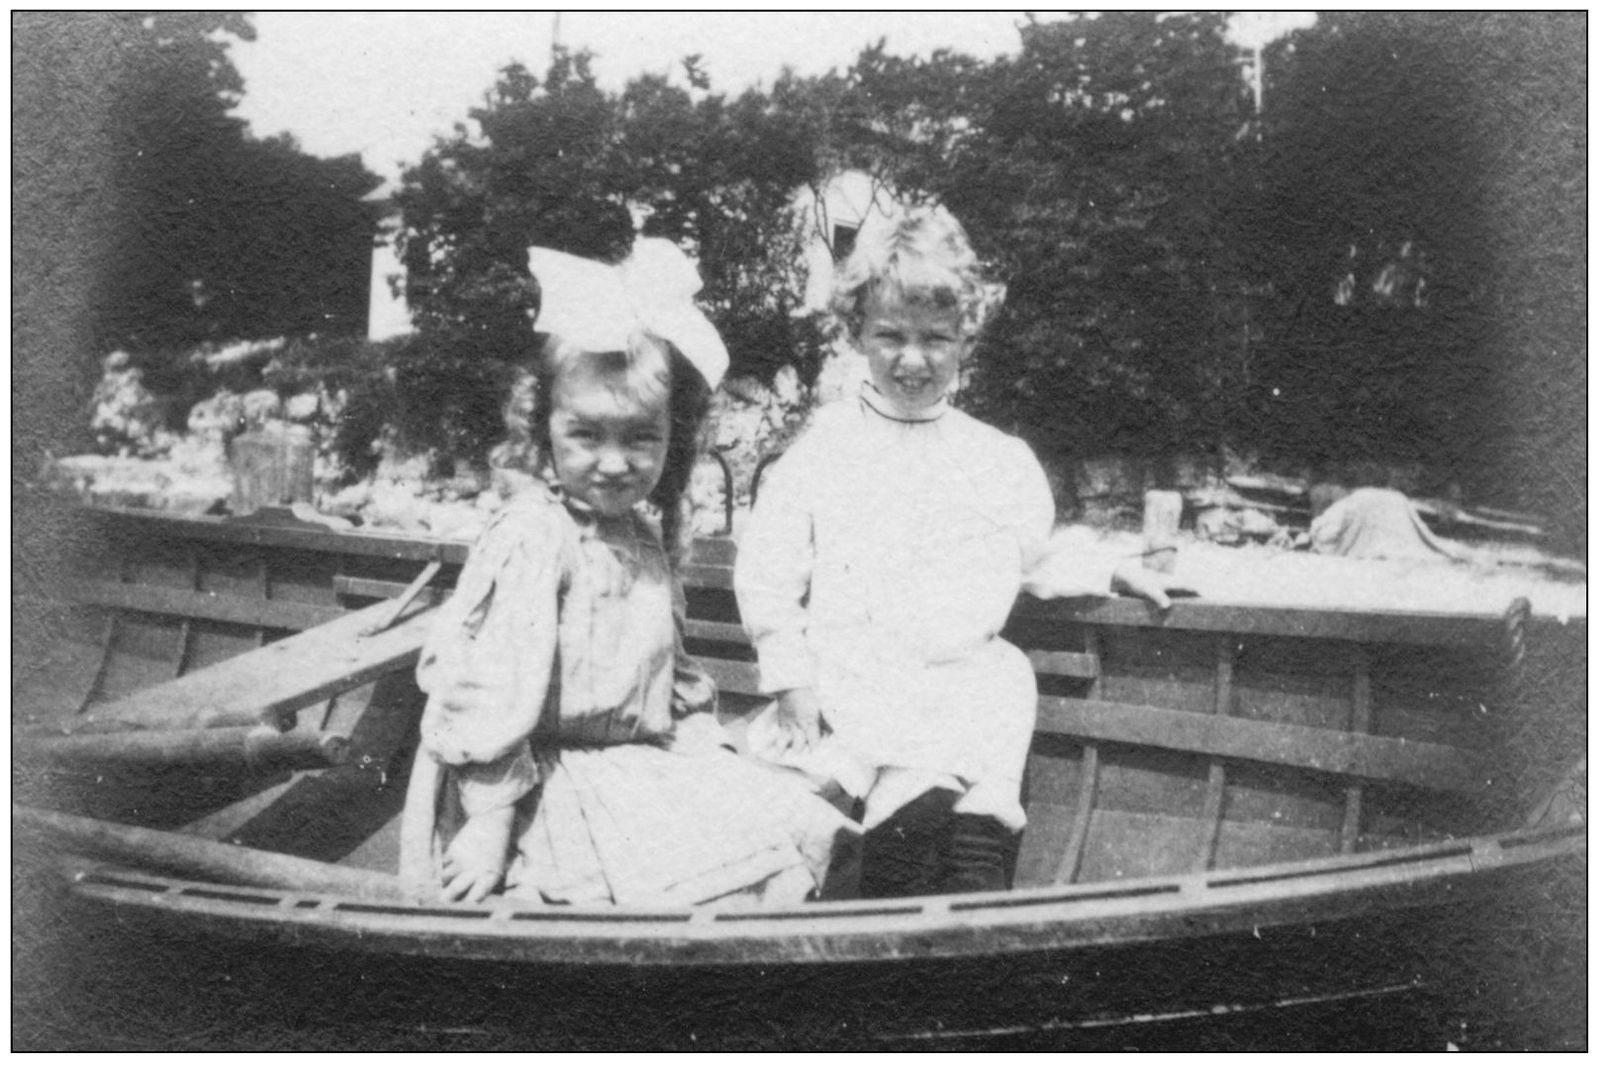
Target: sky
382, 84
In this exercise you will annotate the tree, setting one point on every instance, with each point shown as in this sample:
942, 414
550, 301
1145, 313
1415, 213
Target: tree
558, 162
1117, 135
304, 233
1425, 195
216, 235
1338, 280
1096, 171
172, 132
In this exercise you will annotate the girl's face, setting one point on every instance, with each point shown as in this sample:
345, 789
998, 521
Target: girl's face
609, 445
913, 349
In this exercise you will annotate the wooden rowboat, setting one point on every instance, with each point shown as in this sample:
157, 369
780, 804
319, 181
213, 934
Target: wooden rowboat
1224, 801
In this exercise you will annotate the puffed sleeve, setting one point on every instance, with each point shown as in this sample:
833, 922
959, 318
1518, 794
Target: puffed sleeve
1032, 505
773, 574
1062, 564
487, 661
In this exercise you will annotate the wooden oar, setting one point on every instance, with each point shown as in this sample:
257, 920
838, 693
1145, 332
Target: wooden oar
205, 860
252, 746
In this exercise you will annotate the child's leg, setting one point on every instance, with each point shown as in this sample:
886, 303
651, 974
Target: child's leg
975, 855
474, 861
979, 838
902, 854
908, 812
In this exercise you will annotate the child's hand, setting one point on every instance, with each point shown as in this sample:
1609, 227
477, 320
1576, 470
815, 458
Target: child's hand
1132, 578
473, 864
800, 722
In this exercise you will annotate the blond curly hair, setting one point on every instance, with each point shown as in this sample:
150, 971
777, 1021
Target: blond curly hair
920, 254
650, 370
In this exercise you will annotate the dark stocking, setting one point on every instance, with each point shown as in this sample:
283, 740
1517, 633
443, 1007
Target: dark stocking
975, 856
902, 855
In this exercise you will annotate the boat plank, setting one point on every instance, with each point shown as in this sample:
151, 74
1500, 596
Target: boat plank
1151, 780
265, 684
1373, 627
325, 817
719, 632
298, 536
52, 690
1266, 792
737, 678
187, 604
1075, 664
705, 576
1160, 669
221, 823
141, 656
217, 642
1114, 851
1425, 765
1126, 844
741, 678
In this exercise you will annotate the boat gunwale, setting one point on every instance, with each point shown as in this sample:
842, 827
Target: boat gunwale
1302, 892
1370, 626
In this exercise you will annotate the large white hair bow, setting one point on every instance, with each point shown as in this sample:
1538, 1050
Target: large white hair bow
596, 307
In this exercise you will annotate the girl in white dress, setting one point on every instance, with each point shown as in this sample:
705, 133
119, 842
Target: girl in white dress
883, 556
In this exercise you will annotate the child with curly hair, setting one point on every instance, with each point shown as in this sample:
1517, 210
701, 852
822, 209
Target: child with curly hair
883, 556
568, 749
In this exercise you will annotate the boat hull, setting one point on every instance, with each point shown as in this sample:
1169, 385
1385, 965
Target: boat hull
1359, 746
1396, 970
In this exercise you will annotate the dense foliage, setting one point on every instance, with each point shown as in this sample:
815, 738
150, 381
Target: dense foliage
561, 163
1093, 171
1321, 281
1099, 170
217, 235
1425, 245
1386, 262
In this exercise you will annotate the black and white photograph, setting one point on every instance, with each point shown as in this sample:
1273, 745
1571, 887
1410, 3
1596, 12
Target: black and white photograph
799, 531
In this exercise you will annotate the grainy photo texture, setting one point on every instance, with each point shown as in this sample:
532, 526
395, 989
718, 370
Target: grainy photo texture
799, 532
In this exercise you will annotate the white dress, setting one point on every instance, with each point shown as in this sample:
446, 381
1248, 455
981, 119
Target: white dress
881, 561
556, 681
